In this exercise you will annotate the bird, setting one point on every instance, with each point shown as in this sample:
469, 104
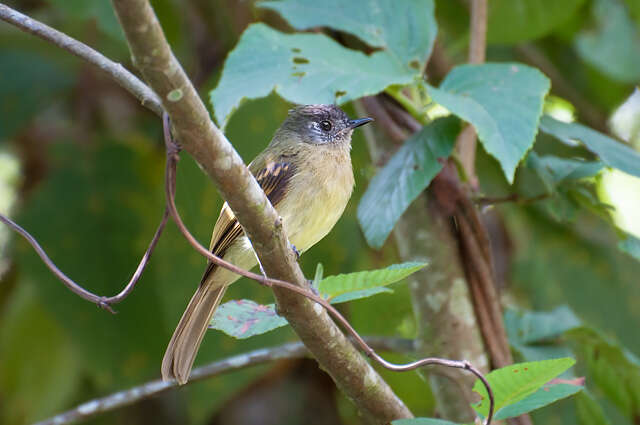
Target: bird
307, 175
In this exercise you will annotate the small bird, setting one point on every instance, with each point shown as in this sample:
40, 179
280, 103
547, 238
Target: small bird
307, 175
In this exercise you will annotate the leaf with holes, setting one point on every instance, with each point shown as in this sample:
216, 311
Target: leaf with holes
333, 286
374, 23
613, 153
404, 177
302, 68
502, 101
516, 382
244, 318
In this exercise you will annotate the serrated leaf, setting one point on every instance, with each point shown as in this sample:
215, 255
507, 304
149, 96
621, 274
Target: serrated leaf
502, 101
631, 246
333, 286
544, 396
302, 68
516, 382
513, 21
422, 421
404, 177
613, 153
409, 43
244, 318
614, 47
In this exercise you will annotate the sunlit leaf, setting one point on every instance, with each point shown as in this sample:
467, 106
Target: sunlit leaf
344, 283
404, 177
502, 101
546, 395
516, 382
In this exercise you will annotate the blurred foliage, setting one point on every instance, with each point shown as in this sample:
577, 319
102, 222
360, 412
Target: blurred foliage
91, 192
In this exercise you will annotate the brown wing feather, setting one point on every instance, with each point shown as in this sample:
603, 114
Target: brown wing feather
273, 179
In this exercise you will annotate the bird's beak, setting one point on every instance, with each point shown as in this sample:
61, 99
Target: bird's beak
359, 122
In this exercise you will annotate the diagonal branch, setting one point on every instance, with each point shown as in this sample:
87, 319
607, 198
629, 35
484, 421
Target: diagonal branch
117, 72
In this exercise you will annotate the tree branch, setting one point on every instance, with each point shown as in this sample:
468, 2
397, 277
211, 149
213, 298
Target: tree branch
120, 399
206, 143
116, 71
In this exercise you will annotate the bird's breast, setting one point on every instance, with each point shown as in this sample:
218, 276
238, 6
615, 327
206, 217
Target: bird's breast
317, 197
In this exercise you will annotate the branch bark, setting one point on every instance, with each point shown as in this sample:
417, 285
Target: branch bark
206, 143
134, 395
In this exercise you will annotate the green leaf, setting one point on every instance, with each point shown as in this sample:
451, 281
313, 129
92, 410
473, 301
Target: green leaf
544, 396
422, 421
516, 382
553, 170
356, 295
502, 101
244, 318
302, 68
614, 47
631, 246
374, 23
513, 21
404, 177
529, 327
333, 286
613, 153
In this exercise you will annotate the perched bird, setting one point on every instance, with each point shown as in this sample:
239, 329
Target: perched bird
306, 173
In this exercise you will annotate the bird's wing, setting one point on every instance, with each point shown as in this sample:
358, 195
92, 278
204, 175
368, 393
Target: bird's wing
273, 178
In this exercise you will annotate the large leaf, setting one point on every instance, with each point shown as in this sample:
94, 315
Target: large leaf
375, 23
302, 68
333, 286
516, 382
613, 153
404, 177
502, 101
614, 47
513, 21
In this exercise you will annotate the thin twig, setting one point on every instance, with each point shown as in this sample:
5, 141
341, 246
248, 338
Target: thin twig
467, 140
133, 395
170, 184
101, 301
116, 71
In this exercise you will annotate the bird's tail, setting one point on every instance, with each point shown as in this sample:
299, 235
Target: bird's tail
186, 339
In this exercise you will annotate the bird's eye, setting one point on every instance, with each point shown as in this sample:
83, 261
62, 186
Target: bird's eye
325, 125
